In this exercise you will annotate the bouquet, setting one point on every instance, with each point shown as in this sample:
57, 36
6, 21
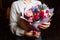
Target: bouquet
35, 16
38, 14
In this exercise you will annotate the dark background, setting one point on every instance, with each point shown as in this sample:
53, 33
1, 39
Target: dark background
52, 33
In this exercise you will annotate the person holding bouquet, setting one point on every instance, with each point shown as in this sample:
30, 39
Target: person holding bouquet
20, 7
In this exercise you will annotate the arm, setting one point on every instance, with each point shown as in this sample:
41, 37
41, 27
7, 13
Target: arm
13, 21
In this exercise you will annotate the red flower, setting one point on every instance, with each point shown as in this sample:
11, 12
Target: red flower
36, 16
47, 11
42, 14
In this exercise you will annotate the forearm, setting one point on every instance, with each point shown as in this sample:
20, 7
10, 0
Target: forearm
16, 30
13, 21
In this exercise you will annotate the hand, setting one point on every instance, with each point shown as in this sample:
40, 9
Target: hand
45, 25
30, 33
37, 35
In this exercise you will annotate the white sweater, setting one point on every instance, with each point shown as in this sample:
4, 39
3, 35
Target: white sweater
18, 7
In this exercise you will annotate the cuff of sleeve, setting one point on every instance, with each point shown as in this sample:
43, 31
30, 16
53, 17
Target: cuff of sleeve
19, 32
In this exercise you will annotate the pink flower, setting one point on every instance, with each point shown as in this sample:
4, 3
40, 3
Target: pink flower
29, 13
30, 19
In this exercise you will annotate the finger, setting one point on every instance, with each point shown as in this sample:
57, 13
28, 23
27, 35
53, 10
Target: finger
29, 34
49, 20
31, 31
37, 35
46, 23
44, 27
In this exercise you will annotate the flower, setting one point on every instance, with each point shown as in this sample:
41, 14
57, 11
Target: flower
29, 13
